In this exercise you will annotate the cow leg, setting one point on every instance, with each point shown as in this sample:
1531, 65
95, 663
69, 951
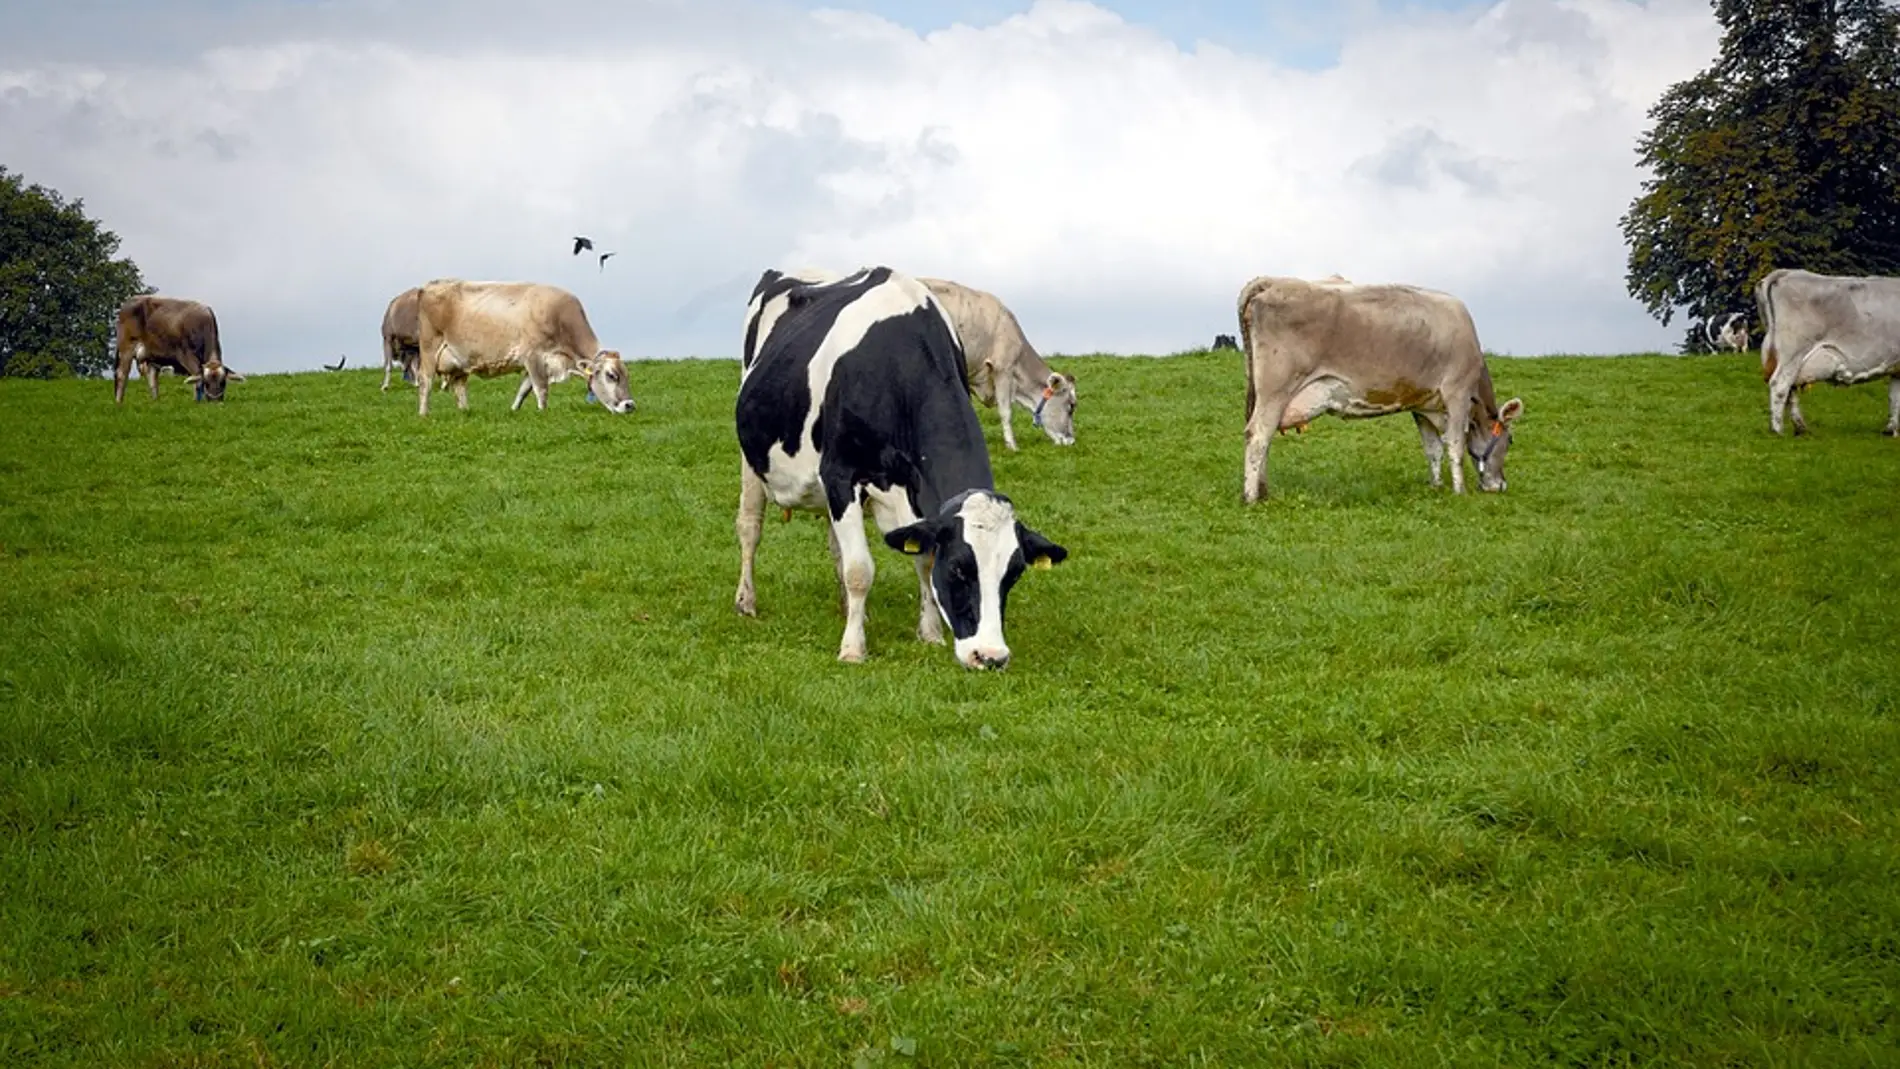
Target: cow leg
460, 384
1457, 426
749, 524
837, 569
527, 383
119, 376
929, 620
1777, 403
1004, 410
1266, 419
857, 570
389, 361
1794, 412
1434, 444
1893, 408
425, 379
1781, 399
151, 377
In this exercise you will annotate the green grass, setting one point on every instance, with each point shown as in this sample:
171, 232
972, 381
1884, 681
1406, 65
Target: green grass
329, 735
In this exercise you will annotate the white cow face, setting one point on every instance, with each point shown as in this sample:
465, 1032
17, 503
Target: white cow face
1055, 409
978, 552
1488, 443
209, 383
607, 377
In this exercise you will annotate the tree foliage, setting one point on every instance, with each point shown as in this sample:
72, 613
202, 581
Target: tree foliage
1784, 153
60, 285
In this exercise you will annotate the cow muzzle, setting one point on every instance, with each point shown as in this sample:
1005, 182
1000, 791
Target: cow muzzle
986, 659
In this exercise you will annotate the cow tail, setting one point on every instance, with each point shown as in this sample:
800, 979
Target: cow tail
1708, 332
1765, 307
1247, 293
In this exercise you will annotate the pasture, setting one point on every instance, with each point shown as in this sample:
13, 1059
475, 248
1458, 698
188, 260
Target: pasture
332, 736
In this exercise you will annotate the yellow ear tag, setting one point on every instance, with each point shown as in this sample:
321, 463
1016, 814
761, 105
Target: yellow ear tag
911, 545
1042, 562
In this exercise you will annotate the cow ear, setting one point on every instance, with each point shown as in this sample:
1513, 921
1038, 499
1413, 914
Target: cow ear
1039, 551
1055, 380
1511, 410
194, 380
232, 376
916, 539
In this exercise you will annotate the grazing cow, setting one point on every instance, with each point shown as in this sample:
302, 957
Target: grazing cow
1365, 351
1005, 370
1732, 336
1225, 341
402, 337
1839, 329
160, 332
856, 397
493, 328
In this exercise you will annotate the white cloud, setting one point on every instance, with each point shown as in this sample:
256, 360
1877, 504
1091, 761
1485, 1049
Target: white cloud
1116, 190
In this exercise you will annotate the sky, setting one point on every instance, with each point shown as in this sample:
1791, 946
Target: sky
1115, 171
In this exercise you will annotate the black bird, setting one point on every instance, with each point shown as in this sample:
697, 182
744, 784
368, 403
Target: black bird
339, 364
582, 243
603, 260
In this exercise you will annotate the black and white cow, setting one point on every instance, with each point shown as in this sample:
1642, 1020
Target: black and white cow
855, 397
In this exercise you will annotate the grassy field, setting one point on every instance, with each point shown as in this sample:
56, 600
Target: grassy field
331, 736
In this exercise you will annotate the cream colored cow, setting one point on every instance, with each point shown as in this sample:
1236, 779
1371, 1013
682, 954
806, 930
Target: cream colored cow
494, 328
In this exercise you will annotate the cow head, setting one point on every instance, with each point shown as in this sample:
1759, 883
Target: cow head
977, 551
210, 382
1055, 409
607, 378
1488, 441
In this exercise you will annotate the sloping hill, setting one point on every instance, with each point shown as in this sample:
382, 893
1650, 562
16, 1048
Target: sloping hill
332, 735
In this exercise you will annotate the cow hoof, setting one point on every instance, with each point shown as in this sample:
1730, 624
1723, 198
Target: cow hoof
851, 656
933, 635
1891, 432
1800, 430
746, 605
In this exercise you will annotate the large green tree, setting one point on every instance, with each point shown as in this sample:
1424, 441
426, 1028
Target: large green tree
1784, 153
60, 284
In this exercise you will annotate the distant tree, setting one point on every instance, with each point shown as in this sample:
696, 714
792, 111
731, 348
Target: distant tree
60, 286
1785, 153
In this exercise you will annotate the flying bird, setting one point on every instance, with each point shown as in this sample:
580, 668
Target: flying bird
604, 257
582, 243
339, 364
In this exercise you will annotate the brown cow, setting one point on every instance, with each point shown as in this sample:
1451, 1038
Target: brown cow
1005, 370
160, 332
492, 328
401, 338
1365, 351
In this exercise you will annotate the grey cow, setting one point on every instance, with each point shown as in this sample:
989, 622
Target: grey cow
1005, 370
1364, 351
1843, 330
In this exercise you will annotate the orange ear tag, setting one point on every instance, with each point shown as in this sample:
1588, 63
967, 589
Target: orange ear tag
1048, 392
1497, 428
